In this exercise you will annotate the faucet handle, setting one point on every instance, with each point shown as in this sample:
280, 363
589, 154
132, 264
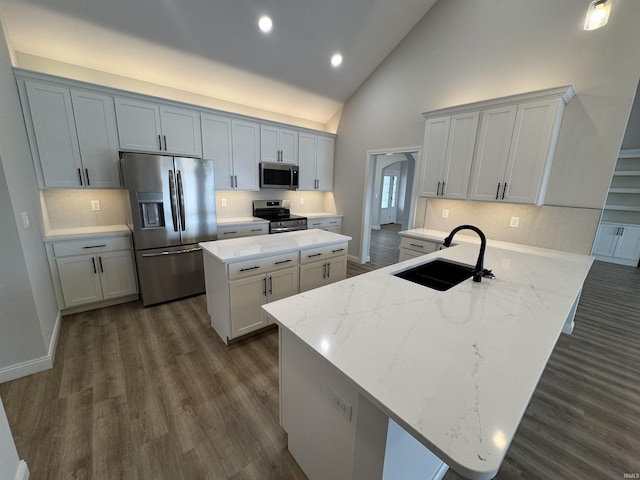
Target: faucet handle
488, 273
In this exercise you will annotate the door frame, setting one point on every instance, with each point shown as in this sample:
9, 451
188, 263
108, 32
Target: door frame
369, 179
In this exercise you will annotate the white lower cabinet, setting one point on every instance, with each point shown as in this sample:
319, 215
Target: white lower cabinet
246, 230
322, 266
413, 247
330, 224
617, 243
249, 294
82, 278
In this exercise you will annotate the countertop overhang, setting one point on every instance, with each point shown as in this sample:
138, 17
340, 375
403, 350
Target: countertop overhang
455, 369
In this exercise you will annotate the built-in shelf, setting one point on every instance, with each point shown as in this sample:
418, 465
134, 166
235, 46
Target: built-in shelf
623, 201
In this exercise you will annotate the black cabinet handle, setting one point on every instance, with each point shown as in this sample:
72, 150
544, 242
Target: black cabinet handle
86, 172
250, 268
165, 142
95, 246
504, 190
442, 192
100, 261
283, 261
498, 191
80, 176
93, 260
159, 143
314, 255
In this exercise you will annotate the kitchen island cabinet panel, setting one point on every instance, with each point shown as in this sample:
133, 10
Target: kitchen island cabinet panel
247, 296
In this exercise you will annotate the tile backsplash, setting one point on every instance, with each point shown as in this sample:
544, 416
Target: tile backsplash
559, 228
72, 208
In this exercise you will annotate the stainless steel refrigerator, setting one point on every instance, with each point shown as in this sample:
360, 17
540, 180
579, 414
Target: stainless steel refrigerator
172, 208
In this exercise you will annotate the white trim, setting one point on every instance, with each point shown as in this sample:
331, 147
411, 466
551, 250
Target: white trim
365, 227
35, 365
440, 473
22, 473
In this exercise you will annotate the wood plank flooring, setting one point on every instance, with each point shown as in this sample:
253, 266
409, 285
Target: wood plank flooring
384, 250
152, 393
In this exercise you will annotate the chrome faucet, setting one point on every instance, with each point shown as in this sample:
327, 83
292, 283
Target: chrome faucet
479, 271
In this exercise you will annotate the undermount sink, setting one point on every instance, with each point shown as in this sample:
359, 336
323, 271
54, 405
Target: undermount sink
438, 274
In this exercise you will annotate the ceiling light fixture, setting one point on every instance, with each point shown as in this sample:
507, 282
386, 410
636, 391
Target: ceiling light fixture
597, 14
336, 60
265, 24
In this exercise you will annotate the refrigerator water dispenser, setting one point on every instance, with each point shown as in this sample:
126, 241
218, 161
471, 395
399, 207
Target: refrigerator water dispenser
151, 209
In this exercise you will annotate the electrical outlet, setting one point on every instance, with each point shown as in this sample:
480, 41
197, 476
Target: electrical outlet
341, 405
445, 213
25, 220
95, 204
223, 202
515, 221
301, 200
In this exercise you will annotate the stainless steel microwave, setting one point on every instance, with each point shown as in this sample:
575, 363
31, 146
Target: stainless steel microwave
279, 175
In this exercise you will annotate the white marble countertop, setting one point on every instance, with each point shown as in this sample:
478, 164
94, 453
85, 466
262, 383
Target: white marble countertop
249, 248
240, 221
71, 233
455, 369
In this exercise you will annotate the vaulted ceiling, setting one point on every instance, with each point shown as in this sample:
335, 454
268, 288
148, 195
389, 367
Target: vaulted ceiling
214, 47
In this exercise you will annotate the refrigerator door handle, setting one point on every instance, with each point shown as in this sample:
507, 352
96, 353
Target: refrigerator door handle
183, 225
172, 196
176, 252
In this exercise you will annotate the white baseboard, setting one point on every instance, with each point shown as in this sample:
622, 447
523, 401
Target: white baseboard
439, 475
22, 473
619, 261
353, 258
36, 365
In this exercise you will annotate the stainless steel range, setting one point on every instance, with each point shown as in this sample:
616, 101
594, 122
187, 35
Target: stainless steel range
279, 216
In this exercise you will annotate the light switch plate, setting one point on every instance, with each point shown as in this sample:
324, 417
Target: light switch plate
223, 202
445, 213
95, 204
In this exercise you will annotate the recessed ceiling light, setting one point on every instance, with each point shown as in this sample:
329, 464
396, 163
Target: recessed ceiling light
265, 24
336, 60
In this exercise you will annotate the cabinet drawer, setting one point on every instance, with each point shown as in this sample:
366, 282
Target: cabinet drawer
421, 246
94, 245
325, 222
320, 253
262, 265
237, 231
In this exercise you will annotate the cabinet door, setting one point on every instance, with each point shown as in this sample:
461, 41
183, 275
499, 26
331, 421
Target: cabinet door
246, 297
531, 151
138, 125
337, 269
288, 145
492, 153
269, 144
246, 154
97, 130
457, 167
181, 131
79, 279
606, 240
117, 274
307, 151
216, 146
436, 137
55, 135
628, 247
312, 275
324, 163
282, 284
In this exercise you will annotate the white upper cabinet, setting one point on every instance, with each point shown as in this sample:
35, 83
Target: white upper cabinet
233, 146
246, 154
448, 153
278, 144
514, 152
73, 136
496, 150
150, 127
315, 158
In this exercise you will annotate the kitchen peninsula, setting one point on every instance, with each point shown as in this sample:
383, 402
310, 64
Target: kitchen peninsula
455, 370
242, 274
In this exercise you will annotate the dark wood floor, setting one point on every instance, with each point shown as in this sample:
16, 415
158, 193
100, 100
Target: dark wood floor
152, 393
384, 250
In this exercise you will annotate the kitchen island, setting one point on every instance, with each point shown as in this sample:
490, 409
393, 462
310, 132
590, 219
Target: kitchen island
454, 370
242, 274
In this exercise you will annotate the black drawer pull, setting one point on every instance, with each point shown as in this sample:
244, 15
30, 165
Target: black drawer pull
95, 246
314, 255
415, 245
250, 268
284, 261
256, 229
338, 250
228, 233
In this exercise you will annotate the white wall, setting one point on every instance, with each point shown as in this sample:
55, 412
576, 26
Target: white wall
464, 51
28, 308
